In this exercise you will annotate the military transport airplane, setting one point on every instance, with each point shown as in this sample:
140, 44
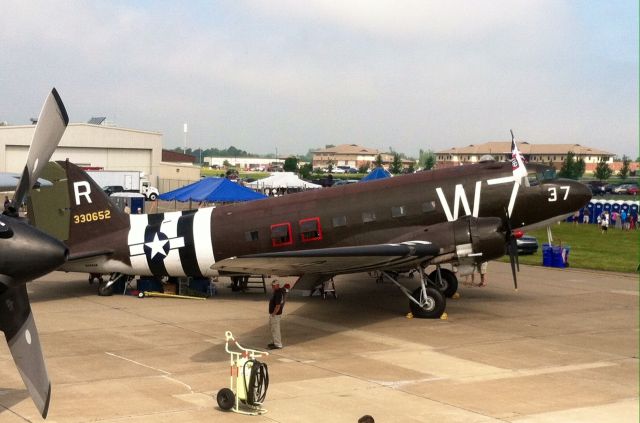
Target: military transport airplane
462, 215
27, 253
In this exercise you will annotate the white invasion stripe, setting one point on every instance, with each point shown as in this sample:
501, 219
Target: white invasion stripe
140, 265
173, 264
138, 225
169, 227
202, 228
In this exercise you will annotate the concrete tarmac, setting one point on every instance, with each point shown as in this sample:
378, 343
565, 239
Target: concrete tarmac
564, 348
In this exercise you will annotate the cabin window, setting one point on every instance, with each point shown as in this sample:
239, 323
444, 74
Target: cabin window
281, 234
339, 221
368, 217
251, 235
398, 211
429, 206
310, 229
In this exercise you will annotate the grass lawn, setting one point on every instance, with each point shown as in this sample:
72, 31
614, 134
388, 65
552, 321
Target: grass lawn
615, 251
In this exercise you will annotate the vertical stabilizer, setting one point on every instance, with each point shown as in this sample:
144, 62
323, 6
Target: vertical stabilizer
75, 210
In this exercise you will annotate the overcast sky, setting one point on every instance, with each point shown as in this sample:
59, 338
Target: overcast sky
297, 75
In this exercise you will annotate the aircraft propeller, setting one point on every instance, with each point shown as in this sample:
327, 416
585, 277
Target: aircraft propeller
512, 248
27, 253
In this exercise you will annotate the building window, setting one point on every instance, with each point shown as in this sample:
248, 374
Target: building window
310, 229
281, 234
368, 217
339, 221
251, 235
398, 211
429, 206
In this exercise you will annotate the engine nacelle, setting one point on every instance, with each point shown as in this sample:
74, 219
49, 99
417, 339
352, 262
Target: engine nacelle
469, 239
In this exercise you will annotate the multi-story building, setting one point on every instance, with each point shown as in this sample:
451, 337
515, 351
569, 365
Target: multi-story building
553, 154
352, 155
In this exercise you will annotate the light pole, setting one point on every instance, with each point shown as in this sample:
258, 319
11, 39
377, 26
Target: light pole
184, 145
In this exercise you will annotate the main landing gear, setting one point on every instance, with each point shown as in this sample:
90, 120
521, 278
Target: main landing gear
428, 301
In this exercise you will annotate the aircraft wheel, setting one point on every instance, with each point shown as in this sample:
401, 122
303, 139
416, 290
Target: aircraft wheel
152, 196
449, 284
103, 291
430, 307
95, 278
226, 399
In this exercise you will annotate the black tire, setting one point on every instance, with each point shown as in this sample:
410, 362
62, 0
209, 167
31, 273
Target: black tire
449, 285
226, 399
432, 307
103, 291
152, 196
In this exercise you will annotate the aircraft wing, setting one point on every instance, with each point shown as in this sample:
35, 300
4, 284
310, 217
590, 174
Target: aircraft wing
331, 261
9, 181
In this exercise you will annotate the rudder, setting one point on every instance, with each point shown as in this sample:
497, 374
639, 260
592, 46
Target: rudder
75, 210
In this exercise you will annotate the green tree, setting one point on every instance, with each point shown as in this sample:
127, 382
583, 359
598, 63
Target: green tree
580, 167
572, 168
396, 164
330, 166
290, 164
378, 161
603, 171
411, 169
624, 171
305, 170
427, 159
364, 167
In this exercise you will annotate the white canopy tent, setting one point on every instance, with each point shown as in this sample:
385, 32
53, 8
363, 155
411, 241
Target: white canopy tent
282, 180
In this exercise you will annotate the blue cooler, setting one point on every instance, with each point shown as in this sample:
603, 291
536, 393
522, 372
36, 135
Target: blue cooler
547, 255
557, 260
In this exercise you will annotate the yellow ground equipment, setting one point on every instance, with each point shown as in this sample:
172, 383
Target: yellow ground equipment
249, 380
160, 294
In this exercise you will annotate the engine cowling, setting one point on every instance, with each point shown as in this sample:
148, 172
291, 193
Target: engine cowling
469, 239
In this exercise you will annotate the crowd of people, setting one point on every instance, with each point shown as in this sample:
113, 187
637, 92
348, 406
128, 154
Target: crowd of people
619, 220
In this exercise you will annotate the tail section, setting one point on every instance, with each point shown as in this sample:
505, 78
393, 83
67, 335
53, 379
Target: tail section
76, 210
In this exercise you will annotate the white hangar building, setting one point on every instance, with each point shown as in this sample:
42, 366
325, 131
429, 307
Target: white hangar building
94, 146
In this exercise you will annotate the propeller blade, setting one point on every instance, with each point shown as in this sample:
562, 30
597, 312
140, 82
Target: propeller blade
52, 123
513, 259
512, 248
16, 321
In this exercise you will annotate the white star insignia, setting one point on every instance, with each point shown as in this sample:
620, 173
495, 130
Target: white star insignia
157, 246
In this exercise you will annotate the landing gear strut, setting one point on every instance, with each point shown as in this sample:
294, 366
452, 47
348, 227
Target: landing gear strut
425, 301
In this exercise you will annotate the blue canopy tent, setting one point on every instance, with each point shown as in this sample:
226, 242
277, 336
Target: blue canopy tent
377, 173
212, 190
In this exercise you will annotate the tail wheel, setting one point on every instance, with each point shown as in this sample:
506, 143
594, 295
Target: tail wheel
448, 284
431, 306
152, 196
226, 399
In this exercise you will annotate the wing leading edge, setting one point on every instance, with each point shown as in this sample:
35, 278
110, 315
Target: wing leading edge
333, 261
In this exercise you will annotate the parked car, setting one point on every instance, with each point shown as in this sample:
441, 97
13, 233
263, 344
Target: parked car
599, 187
339, 182
633, 190
527, 244
624, 188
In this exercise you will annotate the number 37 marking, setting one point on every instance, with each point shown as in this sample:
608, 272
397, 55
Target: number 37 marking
553, 193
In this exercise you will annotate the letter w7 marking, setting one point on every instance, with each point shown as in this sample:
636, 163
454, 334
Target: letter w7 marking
459, 196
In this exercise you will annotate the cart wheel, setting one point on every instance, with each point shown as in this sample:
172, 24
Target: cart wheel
226, 399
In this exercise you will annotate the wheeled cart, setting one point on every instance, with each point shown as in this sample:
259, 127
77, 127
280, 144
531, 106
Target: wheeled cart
249, 380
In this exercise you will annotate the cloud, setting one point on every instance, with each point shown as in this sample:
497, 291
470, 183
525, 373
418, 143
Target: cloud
299, 75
